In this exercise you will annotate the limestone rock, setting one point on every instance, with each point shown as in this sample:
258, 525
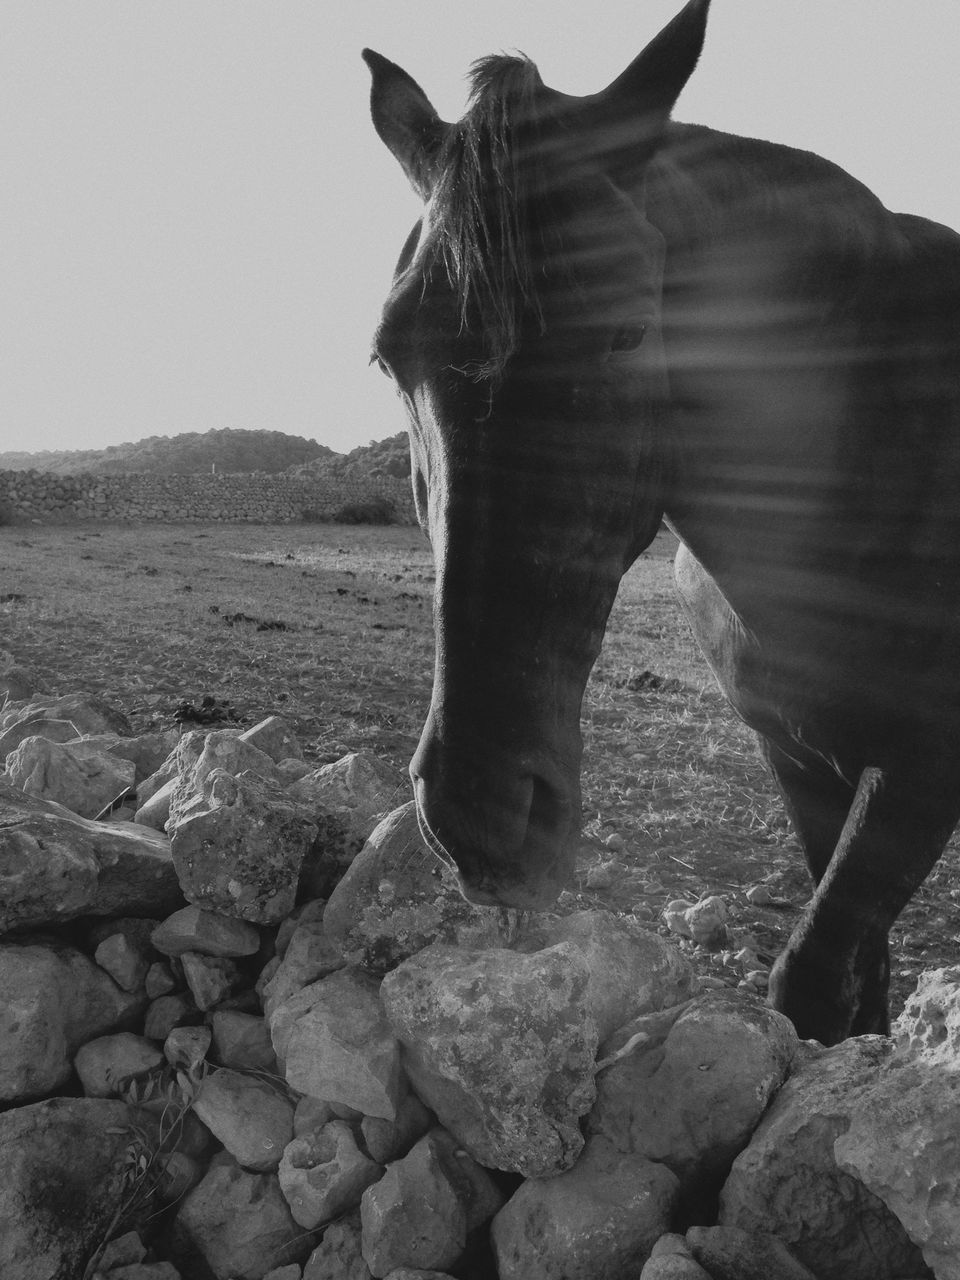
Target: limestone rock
347, 799
729, 1253
901, 1140
153, 810
252, 1120
223, 751
324, 1174
239, 845
600, 1218
61, 1184
58, 718
167, 1012
788, 1182
417, 1215
310, 955
236, 1224
336, 1044
671, 1259
52, 1000
106, 1063
17, 684
193, 929
501, 1047
693, 1097
55, 866
338, 1255
242, 1041
387, 1140
81, 777
397, 898
121, 1251
122, 948
186, 1048
210, 978
633, 971
274, 738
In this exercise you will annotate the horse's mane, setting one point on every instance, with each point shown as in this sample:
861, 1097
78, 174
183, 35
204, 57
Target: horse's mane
488, 202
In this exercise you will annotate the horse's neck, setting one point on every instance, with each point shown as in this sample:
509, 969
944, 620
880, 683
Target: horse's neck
771, 282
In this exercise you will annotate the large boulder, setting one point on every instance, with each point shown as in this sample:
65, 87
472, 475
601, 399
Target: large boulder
236, 1225
80, 775
55, 866
323, 1174
633, 971
223, 750
252, 1120
501, 1046
59, 718
346, 798
335, 1043
597, 1221
52, 1000
691, 1090
62, 1184
788, 1182
901, 1139
239, 845
397, 898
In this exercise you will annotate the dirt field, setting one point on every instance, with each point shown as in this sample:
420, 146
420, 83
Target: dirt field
330, 627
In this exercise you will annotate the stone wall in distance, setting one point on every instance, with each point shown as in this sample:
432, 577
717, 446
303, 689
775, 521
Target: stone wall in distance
257, 497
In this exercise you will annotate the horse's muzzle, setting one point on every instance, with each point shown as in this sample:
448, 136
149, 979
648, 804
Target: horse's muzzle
510, 827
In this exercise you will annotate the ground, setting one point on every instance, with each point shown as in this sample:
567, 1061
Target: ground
330, 627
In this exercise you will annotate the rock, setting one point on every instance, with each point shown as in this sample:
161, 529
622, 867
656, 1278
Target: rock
671, 1259
52, 1000
274, 738
236, 1224
347, 799
787, 1181
336, 1044
707, 923
146, 1271
222, 751
185, 1048
61, 1184
338, 1255
167, 1012
159, 980
729, 1253
81, 777
390, 1139
58, 718
691, 1098
397, 897
154, 810
291, 1272
122, 1251
419, 1213
210, 978
304, 913
599, 1219
675, 917
193, 929
239, 845
17, 684
900, 1141
323, 1175
242, 1041
313, 1113
105, 1064
310, 955
122, 948
252, 1120
632, 970
501, 1047
55, 866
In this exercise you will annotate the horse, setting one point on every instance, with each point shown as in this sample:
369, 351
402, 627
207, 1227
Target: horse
606, 320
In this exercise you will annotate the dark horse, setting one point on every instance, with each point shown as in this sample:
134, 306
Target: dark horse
605, 319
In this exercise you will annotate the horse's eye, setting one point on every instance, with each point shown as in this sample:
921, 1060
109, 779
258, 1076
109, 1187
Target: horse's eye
628, 337
375, 359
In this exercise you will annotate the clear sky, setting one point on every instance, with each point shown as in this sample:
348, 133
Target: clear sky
198, 223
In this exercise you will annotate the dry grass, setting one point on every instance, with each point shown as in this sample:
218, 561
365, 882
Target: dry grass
329, 626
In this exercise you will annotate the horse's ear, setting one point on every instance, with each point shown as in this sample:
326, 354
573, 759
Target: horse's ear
635, 108
405, 120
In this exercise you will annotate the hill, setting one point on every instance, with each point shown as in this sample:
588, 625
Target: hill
191, 453
390, 457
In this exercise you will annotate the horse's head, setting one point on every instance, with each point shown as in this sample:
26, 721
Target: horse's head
523, 333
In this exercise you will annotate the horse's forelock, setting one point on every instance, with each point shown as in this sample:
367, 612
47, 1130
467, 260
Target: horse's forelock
490, 191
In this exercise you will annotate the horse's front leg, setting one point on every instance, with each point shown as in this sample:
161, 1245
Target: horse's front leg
831, 980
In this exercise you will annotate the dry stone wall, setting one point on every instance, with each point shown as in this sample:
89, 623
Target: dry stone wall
255, 497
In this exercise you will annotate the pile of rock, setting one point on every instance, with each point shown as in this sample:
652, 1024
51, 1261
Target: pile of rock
303, 1055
